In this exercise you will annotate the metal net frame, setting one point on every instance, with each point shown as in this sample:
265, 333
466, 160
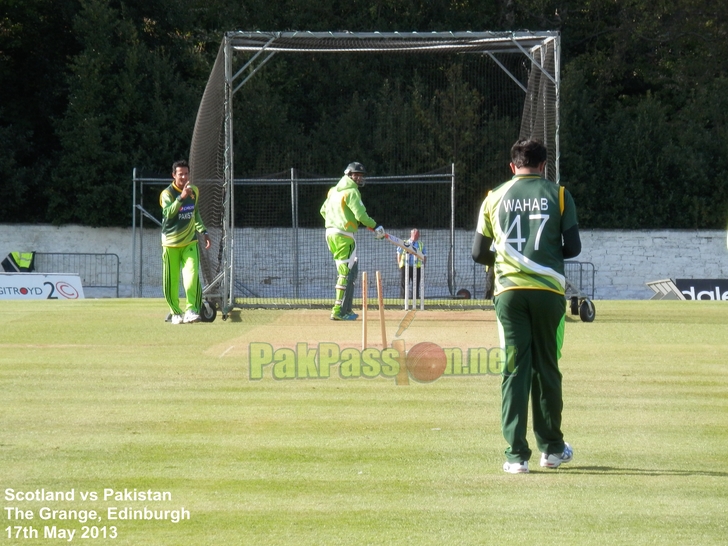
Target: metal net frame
261, 278
211, 154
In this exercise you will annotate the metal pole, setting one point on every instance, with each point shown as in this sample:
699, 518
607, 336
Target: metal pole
141, 239
229, 221
133, 236
452, 228
557, 85
294, 221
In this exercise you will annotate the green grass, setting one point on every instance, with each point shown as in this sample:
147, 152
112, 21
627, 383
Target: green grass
103, 394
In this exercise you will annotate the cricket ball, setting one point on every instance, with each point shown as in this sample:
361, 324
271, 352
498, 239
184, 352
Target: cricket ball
426, 362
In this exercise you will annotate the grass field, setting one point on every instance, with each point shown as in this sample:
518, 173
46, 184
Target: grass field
103, 396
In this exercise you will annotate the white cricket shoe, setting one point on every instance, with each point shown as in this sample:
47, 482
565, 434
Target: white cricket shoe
554, 460
191, 316
516, 468
177, 319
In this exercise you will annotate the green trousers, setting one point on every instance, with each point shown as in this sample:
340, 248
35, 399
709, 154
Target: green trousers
532, 323
186, 259
342, 248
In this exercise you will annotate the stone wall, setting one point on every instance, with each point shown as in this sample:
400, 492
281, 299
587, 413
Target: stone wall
626, 260
623, 260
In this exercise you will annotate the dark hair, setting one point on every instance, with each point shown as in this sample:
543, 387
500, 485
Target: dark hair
528, 153
180, 163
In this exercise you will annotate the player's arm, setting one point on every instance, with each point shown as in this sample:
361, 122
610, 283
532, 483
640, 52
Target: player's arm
481, 251
353, 201
199, 224
483, 241
169, 203
571, 240
571, 247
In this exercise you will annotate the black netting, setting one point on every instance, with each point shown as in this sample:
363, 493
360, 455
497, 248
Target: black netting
460, 103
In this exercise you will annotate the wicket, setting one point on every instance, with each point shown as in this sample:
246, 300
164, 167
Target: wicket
418, 286
365, 306
405, 246
380, 297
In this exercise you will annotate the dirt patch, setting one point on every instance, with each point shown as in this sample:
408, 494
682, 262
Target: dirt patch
464, 329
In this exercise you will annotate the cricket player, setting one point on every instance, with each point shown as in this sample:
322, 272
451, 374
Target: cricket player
181, 223
526, 227
343, 211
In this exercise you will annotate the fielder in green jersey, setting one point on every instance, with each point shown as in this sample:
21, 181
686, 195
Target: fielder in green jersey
181, 222
526, 228
343, 211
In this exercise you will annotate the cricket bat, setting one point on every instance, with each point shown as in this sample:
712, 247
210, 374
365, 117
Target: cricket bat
401, 244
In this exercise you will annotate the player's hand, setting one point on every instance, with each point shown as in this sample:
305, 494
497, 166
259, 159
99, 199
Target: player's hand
207, 241
379, 233
186, 192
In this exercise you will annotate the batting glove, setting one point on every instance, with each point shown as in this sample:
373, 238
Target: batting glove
379, 233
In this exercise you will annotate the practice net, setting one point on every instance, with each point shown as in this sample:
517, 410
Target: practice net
432, 116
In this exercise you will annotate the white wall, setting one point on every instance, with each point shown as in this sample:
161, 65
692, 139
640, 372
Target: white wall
624, 260
73, 239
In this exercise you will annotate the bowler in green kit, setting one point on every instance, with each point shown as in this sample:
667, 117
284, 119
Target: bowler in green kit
181, 224
526, 228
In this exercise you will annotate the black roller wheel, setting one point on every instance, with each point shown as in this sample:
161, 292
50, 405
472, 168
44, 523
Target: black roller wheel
587, 312
574, 305
208, 312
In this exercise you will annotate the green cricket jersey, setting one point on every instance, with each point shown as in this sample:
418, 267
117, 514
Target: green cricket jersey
343, 209
525, 218
180, 218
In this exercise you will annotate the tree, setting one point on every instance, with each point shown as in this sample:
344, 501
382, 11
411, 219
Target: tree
633, 70
93, 88
129, 105
35, 40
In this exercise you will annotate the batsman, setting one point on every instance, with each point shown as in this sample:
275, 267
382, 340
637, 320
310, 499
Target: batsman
343, 211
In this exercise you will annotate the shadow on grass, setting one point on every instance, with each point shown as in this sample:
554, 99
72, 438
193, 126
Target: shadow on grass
641, 471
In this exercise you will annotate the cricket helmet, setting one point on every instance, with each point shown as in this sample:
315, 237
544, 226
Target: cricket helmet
356, 167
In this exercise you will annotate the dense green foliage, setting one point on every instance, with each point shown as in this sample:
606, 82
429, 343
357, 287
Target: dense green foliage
92, 88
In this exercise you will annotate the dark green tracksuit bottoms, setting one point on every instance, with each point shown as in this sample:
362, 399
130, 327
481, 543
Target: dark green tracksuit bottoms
531, 328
